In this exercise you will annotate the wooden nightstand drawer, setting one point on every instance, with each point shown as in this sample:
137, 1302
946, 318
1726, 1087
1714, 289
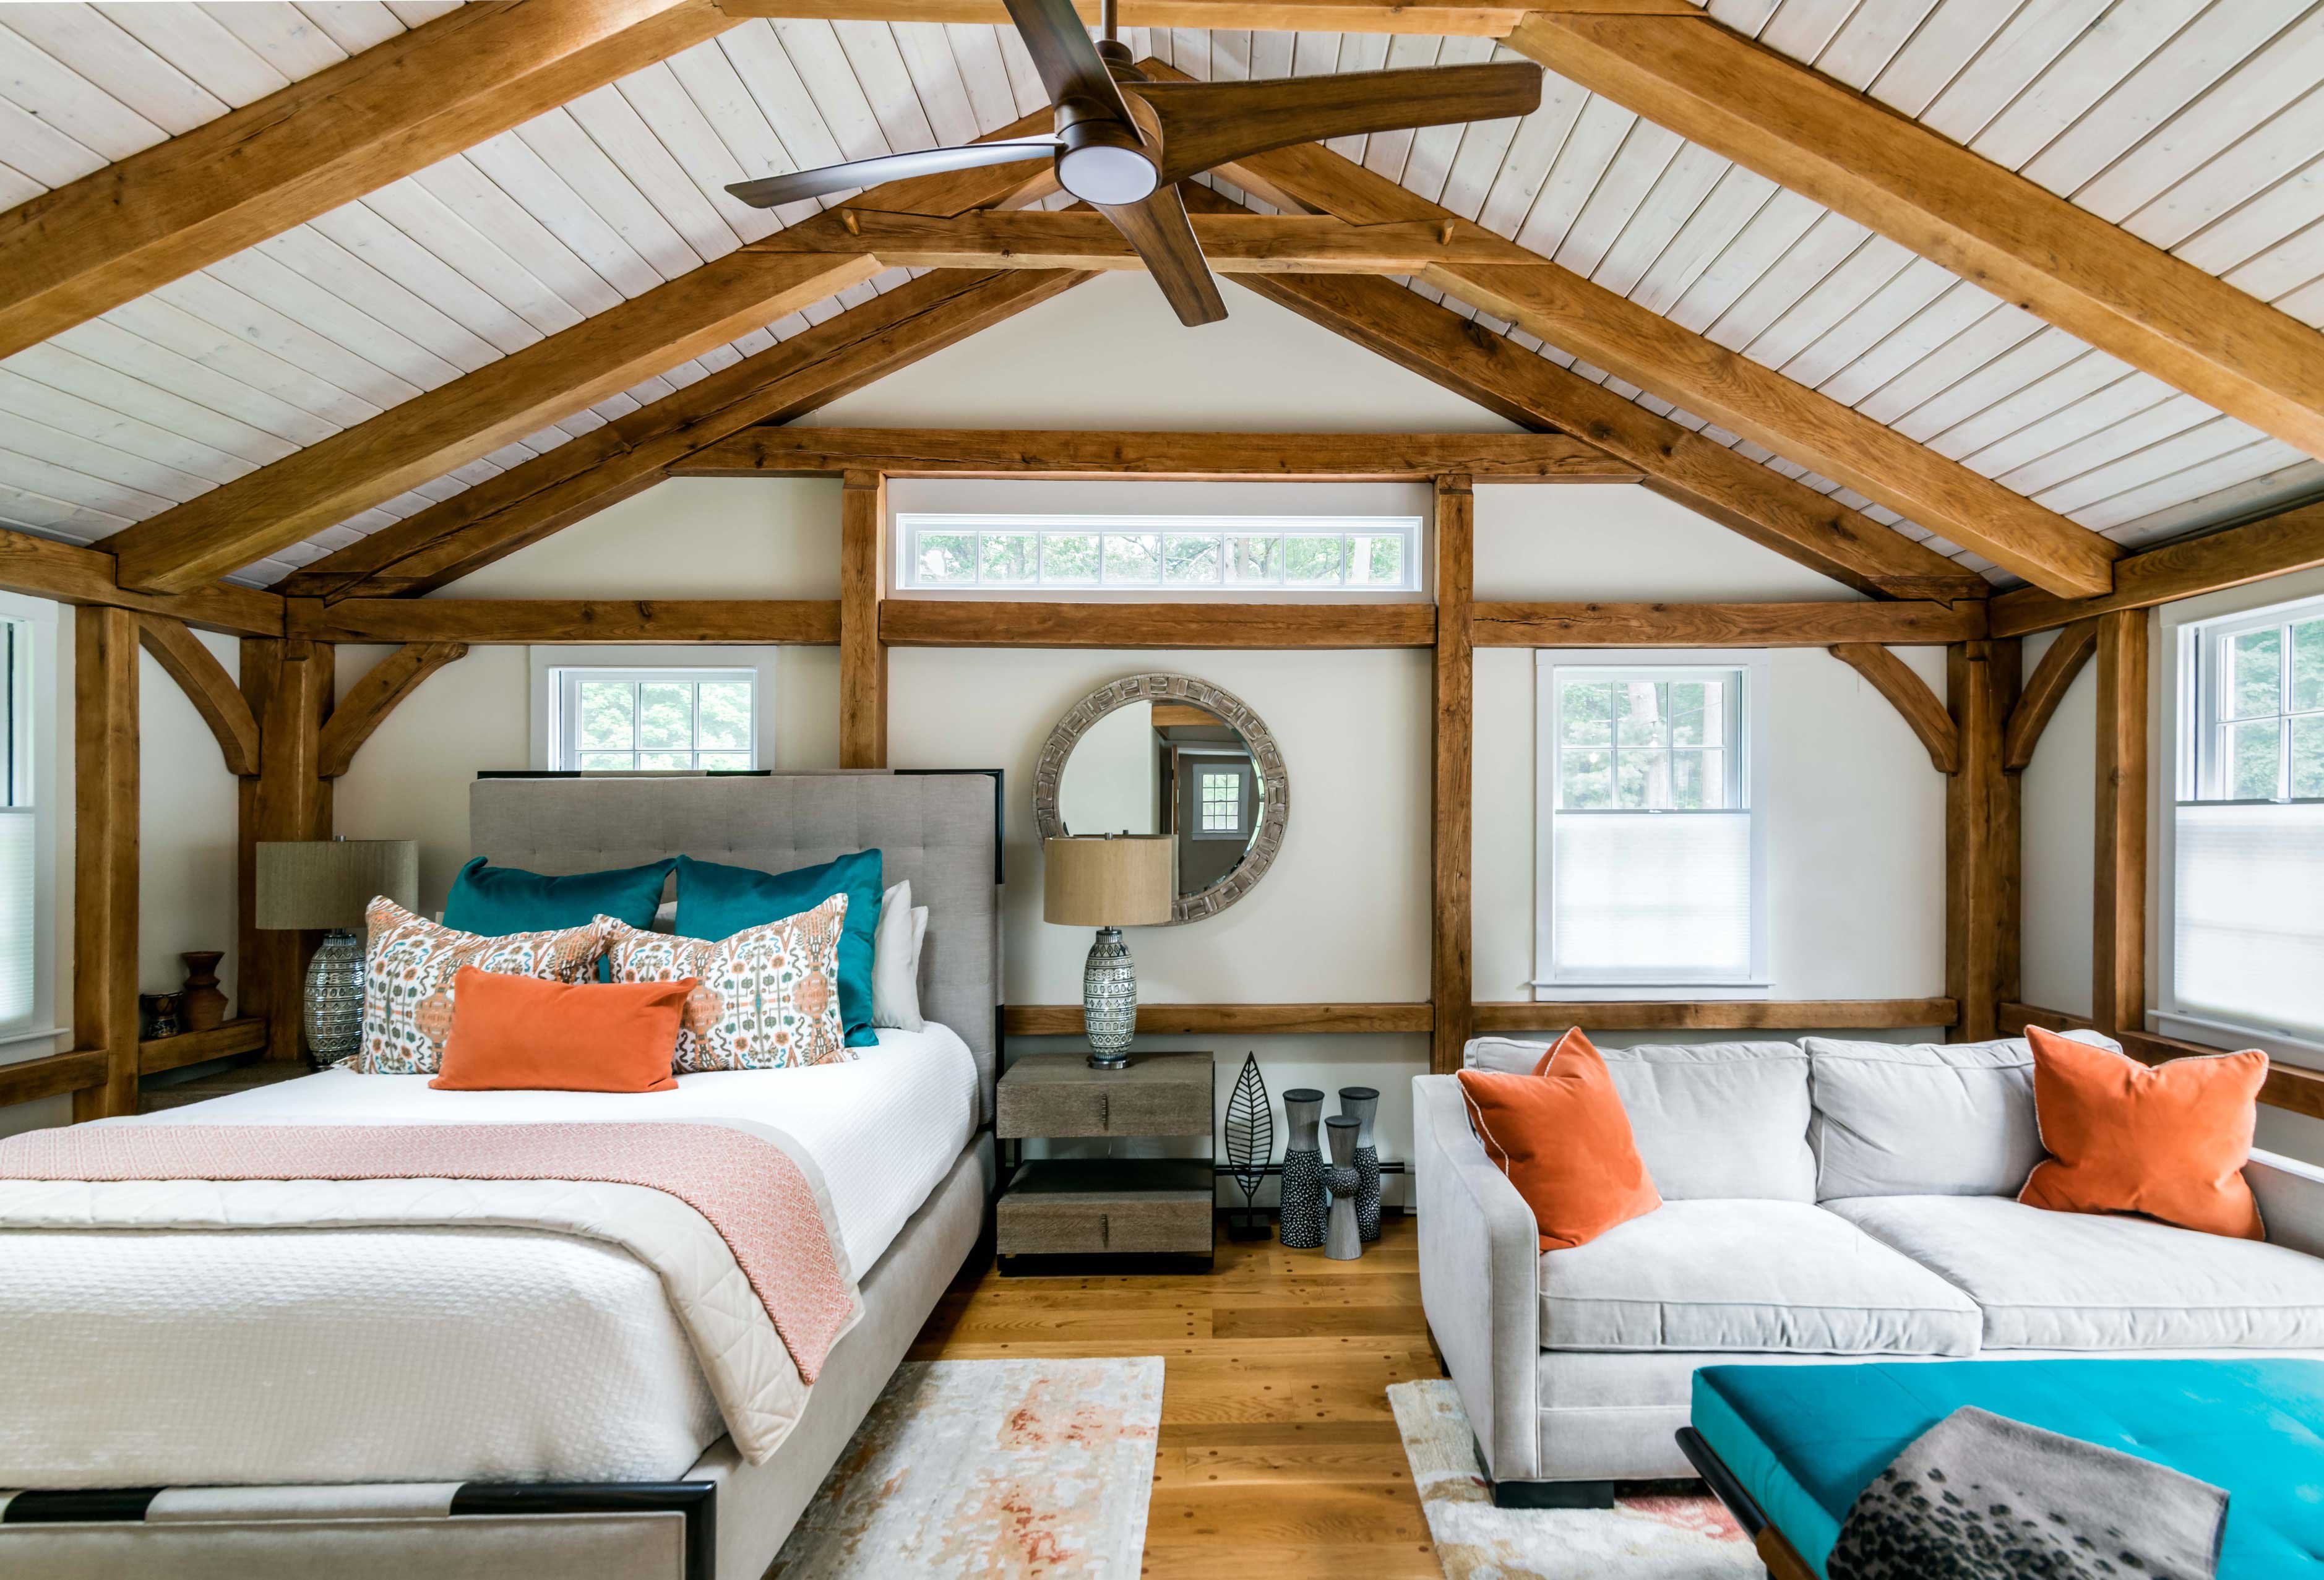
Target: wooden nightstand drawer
1093, 1206
1057, 1094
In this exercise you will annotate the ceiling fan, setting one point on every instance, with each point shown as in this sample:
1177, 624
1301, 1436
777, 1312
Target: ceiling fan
1123, 143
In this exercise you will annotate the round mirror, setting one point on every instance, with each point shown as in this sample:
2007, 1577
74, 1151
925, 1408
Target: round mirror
1167, 754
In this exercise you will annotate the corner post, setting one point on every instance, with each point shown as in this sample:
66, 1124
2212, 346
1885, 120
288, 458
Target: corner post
1449, 973
105, 854
2118, 929
289, 686
862, 655
1981, 840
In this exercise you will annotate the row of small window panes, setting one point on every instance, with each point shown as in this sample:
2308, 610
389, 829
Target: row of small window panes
2275, 735
632, 725
1221, 802
1160, 559
1642, 744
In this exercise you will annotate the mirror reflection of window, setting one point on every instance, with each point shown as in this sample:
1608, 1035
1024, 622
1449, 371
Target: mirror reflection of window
1166, 769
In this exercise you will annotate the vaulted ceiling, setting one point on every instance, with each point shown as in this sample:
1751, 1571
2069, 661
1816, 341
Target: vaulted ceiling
2197, 127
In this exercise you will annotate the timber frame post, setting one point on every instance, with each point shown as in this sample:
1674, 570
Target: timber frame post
1982, 824
862, 587
289, 685
2118, 921
1451, 968
105, 854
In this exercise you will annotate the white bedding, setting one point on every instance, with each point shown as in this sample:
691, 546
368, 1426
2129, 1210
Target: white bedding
257, 1356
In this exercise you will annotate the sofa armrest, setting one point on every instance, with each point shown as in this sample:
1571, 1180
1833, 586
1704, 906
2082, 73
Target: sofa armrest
1480, 1279
2290, 1200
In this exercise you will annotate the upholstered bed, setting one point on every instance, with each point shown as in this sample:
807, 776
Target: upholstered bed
465, 1393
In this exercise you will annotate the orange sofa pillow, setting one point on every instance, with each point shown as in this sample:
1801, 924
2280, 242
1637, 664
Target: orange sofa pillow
2167, 1140
1563, 1140
521, 1033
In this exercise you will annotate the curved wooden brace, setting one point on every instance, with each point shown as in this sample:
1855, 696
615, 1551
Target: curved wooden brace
376, 696
1893, 679
2045, 690
213, 692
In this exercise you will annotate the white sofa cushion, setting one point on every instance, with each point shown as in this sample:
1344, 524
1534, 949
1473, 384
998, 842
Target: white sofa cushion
1711, 1119
1750, 1276
2066, 1281
1923, 1118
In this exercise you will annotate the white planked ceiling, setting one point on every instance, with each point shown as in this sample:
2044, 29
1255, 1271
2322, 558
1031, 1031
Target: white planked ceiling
2198, 127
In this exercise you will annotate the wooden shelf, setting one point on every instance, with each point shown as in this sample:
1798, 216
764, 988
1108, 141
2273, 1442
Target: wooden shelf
247, 1035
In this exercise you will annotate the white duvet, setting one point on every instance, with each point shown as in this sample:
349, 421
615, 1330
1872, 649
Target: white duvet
258, 1356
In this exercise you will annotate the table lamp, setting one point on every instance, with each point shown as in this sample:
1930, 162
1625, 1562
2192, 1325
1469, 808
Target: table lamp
324, 885
1110, 882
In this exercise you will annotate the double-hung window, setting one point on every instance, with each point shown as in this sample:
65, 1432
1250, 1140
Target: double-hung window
27, 646
1652, 870
2245, 940
611, 713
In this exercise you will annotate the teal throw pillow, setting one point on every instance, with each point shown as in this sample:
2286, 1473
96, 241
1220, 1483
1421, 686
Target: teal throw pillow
496, 901
715, 902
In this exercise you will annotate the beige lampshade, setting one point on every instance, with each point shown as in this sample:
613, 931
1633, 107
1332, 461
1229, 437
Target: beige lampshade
1123, 880
315, 884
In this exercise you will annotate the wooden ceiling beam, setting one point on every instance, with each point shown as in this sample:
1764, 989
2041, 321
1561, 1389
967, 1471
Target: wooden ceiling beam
2045, 691
1726, 625
1232, 243
41, 567
372, 698
1429, 18
481, 622
1923, 712
1802, 425
352, 128
1197, 458
2273, 547
1986, 224
216, 695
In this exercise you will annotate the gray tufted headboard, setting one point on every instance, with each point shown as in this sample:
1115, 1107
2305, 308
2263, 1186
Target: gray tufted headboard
941, 830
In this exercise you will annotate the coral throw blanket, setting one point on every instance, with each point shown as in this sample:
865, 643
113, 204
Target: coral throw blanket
749, 1190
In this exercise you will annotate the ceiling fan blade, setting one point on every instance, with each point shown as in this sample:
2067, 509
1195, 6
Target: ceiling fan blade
770, 191
1208, 124
1160, 231
1065, 55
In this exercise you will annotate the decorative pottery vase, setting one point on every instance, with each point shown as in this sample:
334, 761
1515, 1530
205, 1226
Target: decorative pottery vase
1361, 1104
157, 1016
1341, 1241
1302, 1171
202, 1003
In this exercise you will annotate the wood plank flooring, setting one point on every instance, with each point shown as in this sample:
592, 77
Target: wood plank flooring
1278, 1448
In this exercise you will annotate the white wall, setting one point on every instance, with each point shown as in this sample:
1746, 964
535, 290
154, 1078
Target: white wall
186, 830
2059, 808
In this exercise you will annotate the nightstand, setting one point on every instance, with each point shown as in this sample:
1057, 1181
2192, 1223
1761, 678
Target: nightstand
1149, 1209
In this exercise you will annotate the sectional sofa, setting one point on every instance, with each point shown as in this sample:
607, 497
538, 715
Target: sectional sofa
1822, 1199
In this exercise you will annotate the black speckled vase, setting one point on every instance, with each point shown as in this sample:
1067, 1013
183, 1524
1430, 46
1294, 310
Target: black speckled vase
1362, 1105
1302, 1204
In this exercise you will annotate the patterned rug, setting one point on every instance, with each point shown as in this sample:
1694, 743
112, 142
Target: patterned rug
996, 1469
1686, 1538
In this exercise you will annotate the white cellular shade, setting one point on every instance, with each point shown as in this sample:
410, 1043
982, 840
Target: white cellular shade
1653, 897
19, 926
2249, 914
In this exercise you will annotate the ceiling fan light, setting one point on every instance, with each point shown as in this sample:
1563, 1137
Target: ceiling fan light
1107, 173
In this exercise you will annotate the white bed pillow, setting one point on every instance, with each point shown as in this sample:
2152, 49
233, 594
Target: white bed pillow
896, 960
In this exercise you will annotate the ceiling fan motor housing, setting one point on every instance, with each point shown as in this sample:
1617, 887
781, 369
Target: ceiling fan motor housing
1101, 160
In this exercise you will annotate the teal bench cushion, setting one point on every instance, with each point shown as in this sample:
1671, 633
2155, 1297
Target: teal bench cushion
1804, 1440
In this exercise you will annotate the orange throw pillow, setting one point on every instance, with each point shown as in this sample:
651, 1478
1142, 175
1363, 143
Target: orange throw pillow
2167, 1140
1562, 1137
521, 1033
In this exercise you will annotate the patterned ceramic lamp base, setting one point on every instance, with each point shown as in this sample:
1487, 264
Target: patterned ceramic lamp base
1108, 1000
335, 991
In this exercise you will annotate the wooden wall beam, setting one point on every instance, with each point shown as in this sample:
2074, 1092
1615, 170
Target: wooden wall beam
28, 1080
1910, 695
1981, 847
2118, 929
2288, 1086
482, 621
215, 693
377, 694
2047, 688
1725, 625
931, 623
105, 854
2236, 557
1207, 1020
41, 567
1718, 1015
1451, 829
291, 800
254, 995
862, 589
352, 128
1985, 223
1182, 457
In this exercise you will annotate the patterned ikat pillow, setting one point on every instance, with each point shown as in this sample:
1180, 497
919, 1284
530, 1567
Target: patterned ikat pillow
408, 965
769, 997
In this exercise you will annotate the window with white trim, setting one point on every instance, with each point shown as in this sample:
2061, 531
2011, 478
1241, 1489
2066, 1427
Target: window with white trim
1223, 799
1191, 555
629, 721
28, 802
2246, 900
1651, 844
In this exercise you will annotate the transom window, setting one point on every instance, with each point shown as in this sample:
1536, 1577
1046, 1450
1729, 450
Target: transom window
629, 721
1179, 554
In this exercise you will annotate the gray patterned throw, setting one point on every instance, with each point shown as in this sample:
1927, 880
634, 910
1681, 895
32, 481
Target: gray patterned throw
1979, 1497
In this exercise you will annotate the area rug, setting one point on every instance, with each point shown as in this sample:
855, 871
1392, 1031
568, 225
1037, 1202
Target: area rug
1670, 1537
994, 1469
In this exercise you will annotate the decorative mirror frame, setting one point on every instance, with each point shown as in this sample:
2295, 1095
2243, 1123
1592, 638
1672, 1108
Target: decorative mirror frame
1266, 842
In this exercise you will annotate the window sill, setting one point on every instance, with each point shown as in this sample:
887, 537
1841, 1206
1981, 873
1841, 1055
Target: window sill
2292, 1050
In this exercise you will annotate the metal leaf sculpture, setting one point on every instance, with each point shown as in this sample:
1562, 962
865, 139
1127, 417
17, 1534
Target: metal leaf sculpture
1249, 1132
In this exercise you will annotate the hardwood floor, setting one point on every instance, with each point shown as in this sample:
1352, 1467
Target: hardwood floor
1278, 1448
